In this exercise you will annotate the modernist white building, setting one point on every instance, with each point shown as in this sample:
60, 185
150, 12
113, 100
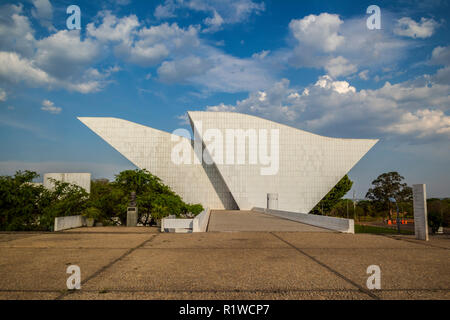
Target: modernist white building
299, 166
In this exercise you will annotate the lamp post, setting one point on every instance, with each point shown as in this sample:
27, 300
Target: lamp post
398, 218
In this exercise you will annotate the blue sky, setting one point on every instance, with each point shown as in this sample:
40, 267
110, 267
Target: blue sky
313, 65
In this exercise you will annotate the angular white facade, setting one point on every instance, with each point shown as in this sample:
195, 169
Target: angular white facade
308, 165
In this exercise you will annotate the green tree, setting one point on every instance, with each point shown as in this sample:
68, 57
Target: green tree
20, 202
333, 196
386, 186
154, 199
64, 199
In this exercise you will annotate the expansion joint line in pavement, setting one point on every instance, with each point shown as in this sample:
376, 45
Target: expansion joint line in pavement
360, 288
421, 242
96, 273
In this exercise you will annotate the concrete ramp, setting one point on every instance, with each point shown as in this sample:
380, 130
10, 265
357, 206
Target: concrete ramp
236, 220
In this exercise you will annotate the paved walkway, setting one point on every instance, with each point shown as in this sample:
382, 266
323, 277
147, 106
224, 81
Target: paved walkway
228, 220
141, 263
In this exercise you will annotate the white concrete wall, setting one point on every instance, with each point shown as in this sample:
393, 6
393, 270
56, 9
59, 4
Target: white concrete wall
69, 222
200, 223
332, 223
420, 211
197, 224
80, 179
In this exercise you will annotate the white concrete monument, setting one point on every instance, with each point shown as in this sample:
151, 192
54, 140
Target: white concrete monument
420, 211
239, 160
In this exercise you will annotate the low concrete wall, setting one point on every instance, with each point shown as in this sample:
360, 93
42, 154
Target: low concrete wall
69, 222
197, 224
200, 223
332, 223
167, 224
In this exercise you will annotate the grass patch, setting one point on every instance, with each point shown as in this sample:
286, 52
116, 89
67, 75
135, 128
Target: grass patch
379, 230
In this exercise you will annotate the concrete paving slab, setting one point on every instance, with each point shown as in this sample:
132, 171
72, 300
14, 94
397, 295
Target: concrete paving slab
29, 295
219, 240
213, 269
215, 295
4, 237
232, 265
229, 220
45, 269
440, 241
414, 295
425, 268
114, 229
344, 241
77, 240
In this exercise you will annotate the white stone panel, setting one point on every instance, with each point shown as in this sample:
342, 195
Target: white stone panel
309, 165
420, 211
150, 149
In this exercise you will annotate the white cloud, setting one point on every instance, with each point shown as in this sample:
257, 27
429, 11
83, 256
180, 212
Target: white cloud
221, 108
65, 55
214, 23
3, 95
407, 27
16, 33
413, 110
441, 56
340, 47
318, 31
182, 69
220, 12
43, 11
423, 123
16, 69
340, 66
49, 106
13, 68
364, 75
113, 28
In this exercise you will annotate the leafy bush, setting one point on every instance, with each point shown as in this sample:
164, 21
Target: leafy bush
435, 220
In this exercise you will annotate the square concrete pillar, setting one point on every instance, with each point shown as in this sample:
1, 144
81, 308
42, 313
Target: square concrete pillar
420, 211
132, 216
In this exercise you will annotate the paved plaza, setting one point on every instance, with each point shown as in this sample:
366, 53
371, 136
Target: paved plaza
235, 220
142, 263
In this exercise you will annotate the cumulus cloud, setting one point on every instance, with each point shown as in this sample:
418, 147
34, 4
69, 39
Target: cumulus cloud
15, 69
411, 110
407, 27
423, 123
364, 75
318, 31
64, 54
318, 42
340, 66
2, 95
43, 11
180, 70
16, 33
112, 28
441, 56
220, 12
50, 107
